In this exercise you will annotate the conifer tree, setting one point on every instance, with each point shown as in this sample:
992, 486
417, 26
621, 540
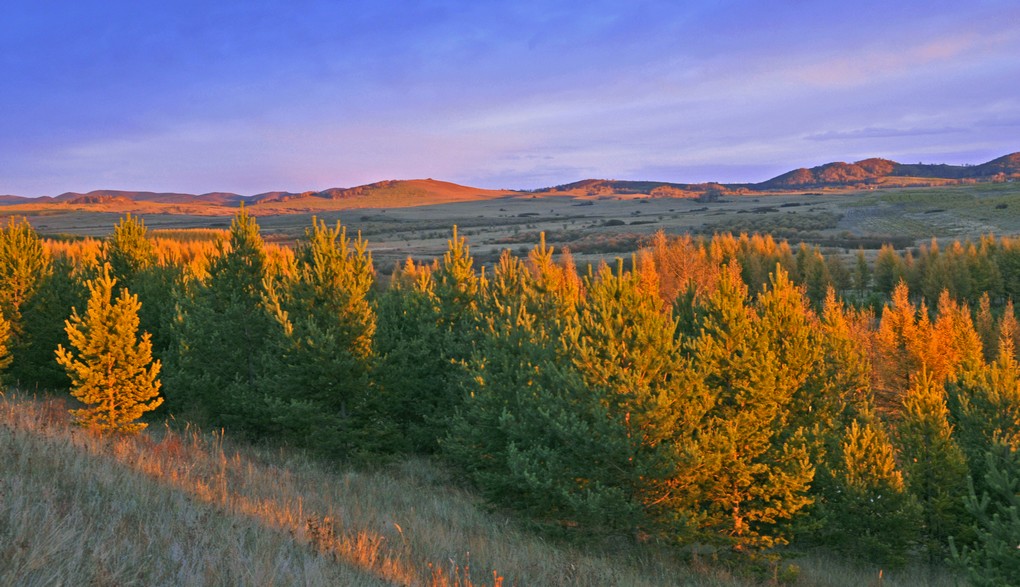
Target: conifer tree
902, 334
224, 332
985, 404
43, 315
866, 510
862, 273
24, 263
890, 269
1009, 323
111, 367
530, 433
755, 473
813, 272
556, 284
129, 250
5, 353
134, 262
426, 333
411, 371
628, 353
319, 379
984, 324
992, 560
935, 466
955, 343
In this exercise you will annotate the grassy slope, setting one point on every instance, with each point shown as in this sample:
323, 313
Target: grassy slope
182, 508
191, 509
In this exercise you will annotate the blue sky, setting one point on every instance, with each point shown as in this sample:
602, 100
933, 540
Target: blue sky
256, 96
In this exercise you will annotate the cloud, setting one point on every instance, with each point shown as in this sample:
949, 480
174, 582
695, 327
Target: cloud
880, 133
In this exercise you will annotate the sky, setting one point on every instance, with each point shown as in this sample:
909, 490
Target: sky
297, 95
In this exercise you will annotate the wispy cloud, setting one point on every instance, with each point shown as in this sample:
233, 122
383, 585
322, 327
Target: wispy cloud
881, 133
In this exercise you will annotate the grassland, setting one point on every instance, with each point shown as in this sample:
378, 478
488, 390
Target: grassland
599, 226
179, 507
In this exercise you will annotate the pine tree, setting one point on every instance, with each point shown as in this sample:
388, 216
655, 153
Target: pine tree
43, 316
628, 354
129, 249
754, 473
224, 333
903, 333
412, 372
111, 368
935, 466
5, 353
984, 324
134, 262
993, 560
890, 269
530, 433
955, 343
862, 273
426, 334
319, 379
24, 263
866, 510
985, 404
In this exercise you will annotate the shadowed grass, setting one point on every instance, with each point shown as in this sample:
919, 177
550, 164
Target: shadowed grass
185, 508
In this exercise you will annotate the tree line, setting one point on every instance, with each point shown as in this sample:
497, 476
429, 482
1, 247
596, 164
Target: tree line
733, 391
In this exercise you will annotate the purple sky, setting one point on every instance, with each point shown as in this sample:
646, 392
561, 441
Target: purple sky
255, 96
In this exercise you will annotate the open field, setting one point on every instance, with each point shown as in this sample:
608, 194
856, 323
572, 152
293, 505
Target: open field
599, 226
184, 508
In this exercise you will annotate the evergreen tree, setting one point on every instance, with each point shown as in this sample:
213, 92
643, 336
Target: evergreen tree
5, 353
134, 262
754, 472
955, 344
111, 368
890, 269
866, 510
530, 433
993, 560
224, 332
862, 273
129, 250
628, 355
985, 404
903, 333
934, 464
984, 324
412, 372
43, 316
24, 263
426, 334
319, 379
813, 272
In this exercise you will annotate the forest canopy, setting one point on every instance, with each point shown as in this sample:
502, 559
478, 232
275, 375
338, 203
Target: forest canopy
736, 391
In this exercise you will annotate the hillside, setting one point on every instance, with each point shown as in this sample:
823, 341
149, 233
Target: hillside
873, 172
383, 194
884, 171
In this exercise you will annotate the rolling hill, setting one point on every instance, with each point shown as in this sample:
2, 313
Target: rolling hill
840, 174
874, 172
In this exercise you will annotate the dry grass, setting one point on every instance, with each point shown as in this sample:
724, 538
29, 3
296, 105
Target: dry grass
184, 508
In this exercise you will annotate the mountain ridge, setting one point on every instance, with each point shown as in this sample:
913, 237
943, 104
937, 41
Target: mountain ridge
871, 172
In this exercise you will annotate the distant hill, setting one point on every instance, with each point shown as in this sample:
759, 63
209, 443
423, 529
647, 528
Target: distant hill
873, 172
383, 194
103, 196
